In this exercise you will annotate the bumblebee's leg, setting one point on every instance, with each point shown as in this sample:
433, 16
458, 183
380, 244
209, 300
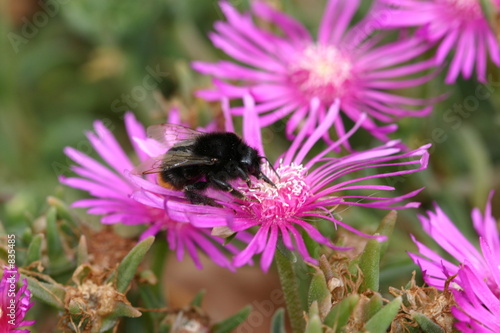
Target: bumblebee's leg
225, 186
243, 175
194, 196
267, 180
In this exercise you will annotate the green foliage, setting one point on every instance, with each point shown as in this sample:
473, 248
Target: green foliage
289, 284
427, 325
198, 299
369, 262
314, 324
95, 298
339, 315
347, 302
278, 322
381, 320
34, 252
127, 268
231, 323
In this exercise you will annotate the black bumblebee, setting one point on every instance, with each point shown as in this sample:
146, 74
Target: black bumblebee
197, 160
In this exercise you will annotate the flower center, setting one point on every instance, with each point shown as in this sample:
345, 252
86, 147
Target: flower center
321, 71
270, 204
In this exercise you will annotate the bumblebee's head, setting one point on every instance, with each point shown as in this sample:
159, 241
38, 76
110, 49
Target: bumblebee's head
250, 160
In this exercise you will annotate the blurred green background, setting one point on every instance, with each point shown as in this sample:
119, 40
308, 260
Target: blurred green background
66, 63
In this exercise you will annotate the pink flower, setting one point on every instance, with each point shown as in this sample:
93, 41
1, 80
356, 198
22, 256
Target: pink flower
304, 190
111, 190
284, 71
458, 25
477, 284
14, 303
478, 301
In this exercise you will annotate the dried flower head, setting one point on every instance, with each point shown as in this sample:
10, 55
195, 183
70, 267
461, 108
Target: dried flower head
428, 301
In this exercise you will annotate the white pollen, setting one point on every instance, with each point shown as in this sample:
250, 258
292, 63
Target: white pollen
276, 203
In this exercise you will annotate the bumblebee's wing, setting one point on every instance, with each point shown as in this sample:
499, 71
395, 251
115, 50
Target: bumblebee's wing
184, 157
169, 135
172, 159
151, 165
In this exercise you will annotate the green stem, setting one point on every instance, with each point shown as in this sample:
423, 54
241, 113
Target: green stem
290, 291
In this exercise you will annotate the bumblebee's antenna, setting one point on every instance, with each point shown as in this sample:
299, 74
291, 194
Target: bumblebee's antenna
265, 158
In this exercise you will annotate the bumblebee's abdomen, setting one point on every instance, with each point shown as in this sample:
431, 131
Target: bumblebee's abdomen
178, 178
163, 183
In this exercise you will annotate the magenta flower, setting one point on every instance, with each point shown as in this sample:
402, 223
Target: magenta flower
111, 189
284, 71
14, 302
458, 25
303, 191
477, 284
478, 301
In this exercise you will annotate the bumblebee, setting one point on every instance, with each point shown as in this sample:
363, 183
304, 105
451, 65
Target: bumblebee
196, 161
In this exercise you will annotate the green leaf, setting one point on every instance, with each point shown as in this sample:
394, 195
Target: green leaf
229, 324
381, 321
125, 310
152, 298
157, 259
426, 324
55, 248
27, 235
369, 264
313, 247
127, 268
318, 288
479, 168
314, 323
198, 298
374, 305
278, 321
121, 310
339, 315
319, 292
290, 289
82, 254
51, 294
34, 252
386, 228
62, 209
230, 238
